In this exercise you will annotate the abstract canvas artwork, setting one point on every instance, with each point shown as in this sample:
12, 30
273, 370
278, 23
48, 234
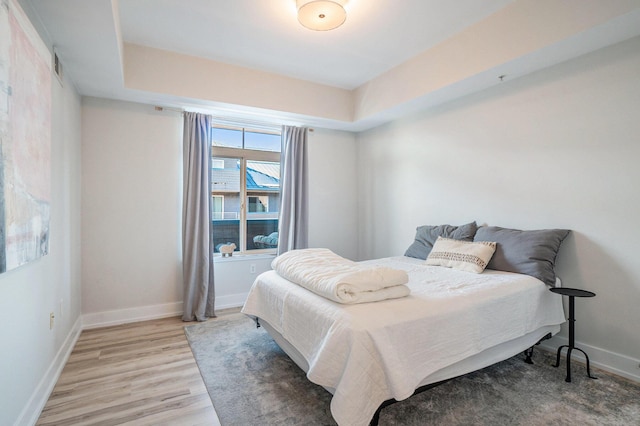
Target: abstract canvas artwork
25, 140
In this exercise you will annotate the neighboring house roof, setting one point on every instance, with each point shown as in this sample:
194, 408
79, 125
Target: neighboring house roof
269, 169
261, 181
267, 178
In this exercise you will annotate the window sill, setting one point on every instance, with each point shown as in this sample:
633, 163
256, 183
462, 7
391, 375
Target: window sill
242, 257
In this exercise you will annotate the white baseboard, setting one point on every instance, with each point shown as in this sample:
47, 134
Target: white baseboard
231, 301
145, 313
31, 411
612, 362
124, 316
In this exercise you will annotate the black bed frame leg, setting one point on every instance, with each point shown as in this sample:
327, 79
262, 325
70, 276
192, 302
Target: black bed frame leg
528, 353
376, 417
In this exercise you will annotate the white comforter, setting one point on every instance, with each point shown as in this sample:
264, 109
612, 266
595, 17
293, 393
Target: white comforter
372, 352
342, 280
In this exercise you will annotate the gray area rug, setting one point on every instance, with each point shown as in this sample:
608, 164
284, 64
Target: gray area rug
251, 381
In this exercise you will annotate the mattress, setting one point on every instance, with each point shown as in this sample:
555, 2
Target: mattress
371, 352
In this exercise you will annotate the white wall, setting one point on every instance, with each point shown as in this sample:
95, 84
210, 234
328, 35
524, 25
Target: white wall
32, 355
160, 71
234, 277
555, 149
131, 212
333, 192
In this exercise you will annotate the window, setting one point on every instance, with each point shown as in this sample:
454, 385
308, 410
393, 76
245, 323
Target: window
218, 206
258, 204
245, 186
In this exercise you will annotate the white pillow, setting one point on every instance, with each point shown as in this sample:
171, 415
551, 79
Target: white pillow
462, 255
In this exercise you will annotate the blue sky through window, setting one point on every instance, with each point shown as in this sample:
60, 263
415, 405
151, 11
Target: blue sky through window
232, 138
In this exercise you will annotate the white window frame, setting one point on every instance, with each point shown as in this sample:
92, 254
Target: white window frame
245, 155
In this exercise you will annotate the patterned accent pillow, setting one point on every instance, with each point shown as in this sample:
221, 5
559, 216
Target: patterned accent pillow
462, 255
427, 235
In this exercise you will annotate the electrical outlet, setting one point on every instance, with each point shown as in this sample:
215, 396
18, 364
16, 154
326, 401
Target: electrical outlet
252, 269
51, 318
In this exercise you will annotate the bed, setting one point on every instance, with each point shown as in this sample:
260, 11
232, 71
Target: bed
452, 322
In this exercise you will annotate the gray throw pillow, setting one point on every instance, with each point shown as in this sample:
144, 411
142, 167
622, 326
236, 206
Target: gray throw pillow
524, 252
427, 235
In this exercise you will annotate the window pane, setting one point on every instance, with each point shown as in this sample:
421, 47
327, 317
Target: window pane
262, 141
262, 234
231, 138
218, 206
263, 204
258, 204
225, 190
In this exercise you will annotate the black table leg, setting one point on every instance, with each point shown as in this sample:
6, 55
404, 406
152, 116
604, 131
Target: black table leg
568, 379
571, 346
587, 358
558, 355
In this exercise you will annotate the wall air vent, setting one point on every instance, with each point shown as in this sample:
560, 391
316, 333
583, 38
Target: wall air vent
57, 66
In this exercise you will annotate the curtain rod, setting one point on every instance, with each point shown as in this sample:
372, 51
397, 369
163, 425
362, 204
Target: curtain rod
239, 122
161, 108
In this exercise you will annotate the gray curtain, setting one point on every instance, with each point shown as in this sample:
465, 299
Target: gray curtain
294, 203
197, 236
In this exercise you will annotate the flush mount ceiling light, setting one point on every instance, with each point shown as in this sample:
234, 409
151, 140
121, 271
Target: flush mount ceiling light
321, 15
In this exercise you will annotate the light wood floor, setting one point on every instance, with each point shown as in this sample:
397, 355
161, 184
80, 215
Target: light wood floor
136, 374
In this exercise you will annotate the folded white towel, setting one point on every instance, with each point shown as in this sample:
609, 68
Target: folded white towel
341, 280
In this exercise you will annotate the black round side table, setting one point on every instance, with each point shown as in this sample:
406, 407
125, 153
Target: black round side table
572, 293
